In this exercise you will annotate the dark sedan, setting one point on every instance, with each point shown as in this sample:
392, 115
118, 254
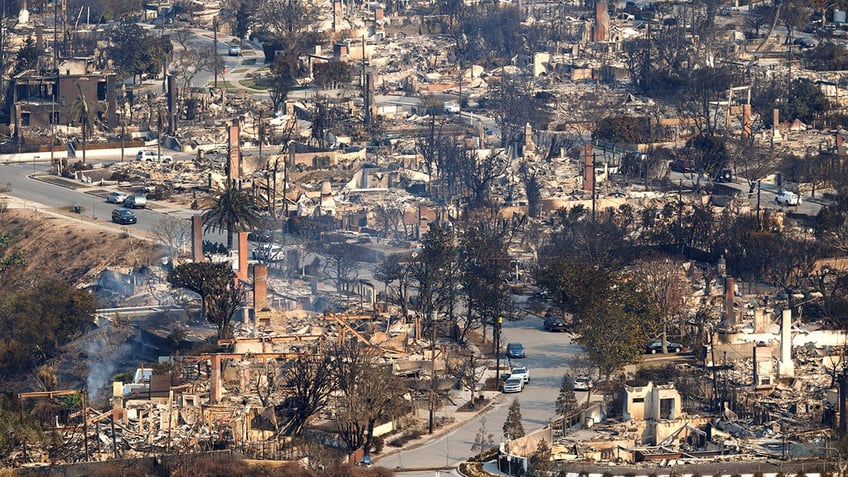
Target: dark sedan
655, 346
124, 216
555, 323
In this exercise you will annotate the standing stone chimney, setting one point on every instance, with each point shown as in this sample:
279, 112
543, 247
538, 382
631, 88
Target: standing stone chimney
260, 287
776, 125
729, 313
746, 122
337, 15
528, 138
241, 273
787, 367
196, 238
589, 169
602, 21
234, 170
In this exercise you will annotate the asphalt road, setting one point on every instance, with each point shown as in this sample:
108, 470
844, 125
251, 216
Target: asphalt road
549, 356
16, 177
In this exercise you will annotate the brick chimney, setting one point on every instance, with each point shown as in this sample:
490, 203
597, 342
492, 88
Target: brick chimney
729, 313
235, 155
746, 122
241, 273
602, 21
260, 287
196, 238
528, 138
589, 169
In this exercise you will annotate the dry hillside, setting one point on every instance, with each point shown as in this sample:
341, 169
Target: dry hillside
76, 248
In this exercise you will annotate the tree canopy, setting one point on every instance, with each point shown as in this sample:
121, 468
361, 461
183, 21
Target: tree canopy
220, 293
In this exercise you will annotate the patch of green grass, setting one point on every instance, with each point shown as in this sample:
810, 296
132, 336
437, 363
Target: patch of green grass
252, 84
238, 70
224, 85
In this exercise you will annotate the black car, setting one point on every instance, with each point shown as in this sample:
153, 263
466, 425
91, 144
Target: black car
655, 346
124, 216
555, 323
805, 42
682, 166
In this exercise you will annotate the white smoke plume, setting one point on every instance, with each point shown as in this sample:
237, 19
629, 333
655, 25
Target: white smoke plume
102, 362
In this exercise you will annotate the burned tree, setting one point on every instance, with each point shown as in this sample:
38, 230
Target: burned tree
221, 295
368, 395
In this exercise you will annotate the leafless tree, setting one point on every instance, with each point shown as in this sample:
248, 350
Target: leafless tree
173, 232
310, 382
340, 265
663, 279
190, 61
368, 395
468, 369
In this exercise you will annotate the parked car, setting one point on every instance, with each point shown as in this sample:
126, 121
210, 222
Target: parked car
124, 217
680, 165
234, 50
724, 175
268, 252
514, 350
522, 373
145, 155
583, 383
135, 202
555, 323
786, 197
805, 42
116, 197
655, 346
513, 385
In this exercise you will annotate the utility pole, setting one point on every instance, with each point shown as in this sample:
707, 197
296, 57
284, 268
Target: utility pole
497, 341
54, 91
593, 186
432, 395
215, 46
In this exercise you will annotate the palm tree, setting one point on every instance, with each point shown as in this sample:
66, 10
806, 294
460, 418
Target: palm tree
232, 211
85, 114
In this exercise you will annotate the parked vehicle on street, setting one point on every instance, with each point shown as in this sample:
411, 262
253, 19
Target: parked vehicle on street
680, 165
515, 350
655, 346
116, 197
786, 197
555, 323
513, 385
124, 217
522, 373
583, 383
135, 202
145, 155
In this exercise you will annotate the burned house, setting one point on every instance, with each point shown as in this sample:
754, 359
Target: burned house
42, 99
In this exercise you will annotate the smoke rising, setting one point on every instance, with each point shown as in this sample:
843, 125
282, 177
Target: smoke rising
102, 362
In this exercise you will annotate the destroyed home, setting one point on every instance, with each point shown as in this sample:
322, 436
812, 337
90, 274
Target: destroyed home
447, 179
